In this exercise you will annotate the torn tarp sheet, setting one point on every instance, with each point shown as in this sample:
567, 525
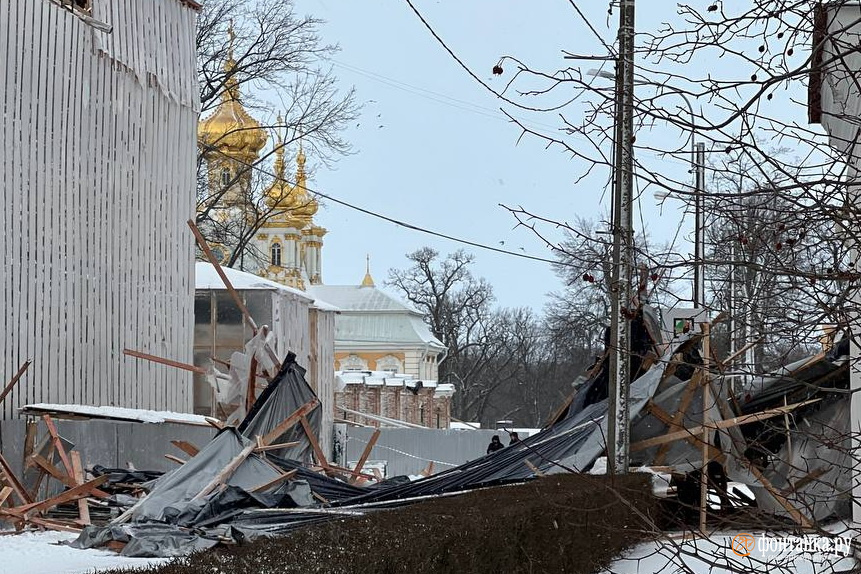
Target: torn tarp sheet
572, 443
287, 392
172, 493
150, 540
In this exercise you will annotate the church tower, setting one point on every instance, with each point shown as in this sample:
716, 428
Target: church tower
230, 140
290, 238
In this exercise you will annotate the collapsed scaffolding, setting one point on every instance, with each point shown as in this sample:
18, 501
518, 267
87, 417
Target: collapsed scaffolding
265, 474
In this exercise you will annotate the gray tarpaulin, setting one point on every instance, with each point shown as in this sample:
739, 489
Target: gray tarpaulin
282, 397
172, 493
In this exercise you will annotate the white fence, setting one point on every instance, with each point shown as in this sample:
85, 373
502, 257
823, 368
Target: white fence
409, 451
98, 172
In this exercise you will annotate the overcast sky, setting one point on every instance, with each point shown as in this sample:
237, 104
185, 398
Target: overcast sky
433, 150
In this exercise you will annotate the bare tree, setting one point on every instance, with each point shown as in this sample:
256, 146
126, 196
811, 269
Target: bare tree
271, 60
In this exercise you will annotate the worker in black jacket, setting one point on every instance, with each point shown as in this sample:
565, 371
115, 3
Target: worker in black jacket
495, 444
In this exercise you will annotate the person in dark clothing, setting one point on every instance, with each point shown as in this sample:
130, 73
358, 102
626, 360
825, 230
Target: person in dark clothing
513, 438
495, 444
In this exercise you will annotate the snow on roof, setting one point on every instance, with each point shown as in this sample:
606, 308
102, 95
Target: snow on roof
356, 298
206, 277
117, 413
457, 425
389, 379
385, 329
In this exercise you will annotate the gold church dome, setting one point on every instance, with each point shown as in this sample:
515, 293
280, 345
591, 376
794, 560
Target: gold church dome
298, 206
230, 129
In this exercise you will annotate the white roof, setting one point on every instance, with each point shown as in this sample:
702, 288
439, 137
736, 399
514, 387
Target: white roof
356, 298
371, 318
206, 277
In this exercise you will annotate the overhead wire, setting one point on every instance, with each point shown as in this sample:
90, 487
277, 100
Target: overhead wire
398, 222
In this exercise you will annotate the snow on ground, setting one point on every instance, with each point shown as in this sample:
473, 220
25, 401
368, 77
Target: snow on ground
714, 555
40, 553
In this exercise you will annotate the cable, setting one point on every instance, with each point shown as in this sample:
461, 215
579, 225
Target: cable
436, 96
396, 221
466, 68
594, 31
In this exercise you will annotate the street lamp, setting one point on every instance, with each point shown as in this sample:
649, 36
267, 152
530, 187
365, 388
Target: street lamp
698, 168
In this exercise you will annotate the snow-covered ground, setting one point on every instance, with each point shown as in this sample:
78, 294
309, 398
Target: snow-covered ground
41, 553
714, 555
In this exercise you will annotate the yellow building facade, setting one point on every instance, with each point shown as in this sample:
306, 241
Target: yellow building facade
373, 331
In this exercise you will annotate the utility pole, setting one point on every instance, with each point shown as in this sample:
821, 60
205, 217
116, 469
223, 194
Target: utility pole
699, 232
618, 416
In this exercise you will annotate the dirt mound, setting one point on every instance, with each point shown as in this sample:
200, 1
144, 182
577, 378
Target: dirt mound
563, 523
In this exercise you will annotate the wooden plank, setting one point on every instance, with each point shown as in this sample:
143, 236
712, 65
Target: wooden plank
204, 246
533, 468
805, 480
687, 396
163, 361
277, 446
53, 471
185, 447
714, 425
79, 491
13, 481
175, 459
275, 481
4, 493
289, 422
367, 452
14, 380
428, 470
29, 440
250, 391
58, 444
225, 473
796, 514
78, 467
54, 524
318, 452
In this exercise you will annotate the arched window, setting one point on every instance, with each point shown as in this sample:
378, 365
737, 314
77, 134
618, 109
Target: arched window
389, 363
225, 176
275, 254
353, 363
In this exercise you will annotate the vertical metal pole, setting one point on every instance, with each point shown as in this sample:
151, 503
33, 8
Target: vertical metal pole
623, 247
699, 231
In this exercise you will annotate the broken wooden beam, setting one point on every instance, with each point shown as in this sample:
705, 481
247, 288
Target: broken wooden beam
796, 514
225, 473
78, 467
274, 482
58, 444
79, 491
315, 445
291, 420
367, 452
185, 447
714, 425
164, 361
175, 459
14, 380
276, 446
13, 481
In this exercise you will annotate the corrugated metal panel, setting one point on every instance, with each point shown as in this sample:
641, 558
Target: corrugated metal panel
100, 133
409, 451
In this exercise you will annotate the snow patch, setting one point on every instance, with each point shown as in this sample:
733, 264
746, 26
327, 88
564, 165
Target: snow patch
46, 553
138, 415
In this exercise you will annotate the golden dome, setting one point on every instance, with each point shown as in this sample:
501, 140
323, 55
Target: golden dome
230, 129
296, 205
